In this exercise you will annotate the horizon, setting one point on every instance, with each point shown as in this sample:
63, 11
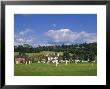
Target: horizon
53, 45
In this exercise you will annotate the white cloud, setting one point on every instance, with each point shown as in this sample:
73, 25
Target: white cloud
23, 37
25, 32
54, 25
67, 35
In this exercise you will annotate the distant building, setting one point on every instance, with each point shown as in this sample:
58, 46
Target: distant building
22, 59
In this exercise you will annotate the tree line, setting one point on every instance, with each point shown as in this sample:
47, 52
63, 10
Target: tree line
83, 51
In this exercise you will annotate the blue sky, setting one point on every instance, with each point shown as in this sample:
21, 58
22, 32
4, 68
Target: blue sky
40, 29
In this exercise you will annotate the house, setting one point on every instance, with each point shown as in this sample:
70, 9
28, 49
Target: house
22, 59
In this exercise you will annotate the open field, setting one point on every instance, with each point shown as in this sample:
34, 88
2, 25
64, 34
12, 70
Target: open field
40, 69
40, 53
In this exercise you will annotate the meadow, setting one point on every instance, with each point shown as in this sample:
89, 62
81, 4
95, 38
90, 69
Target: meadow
40, 53
43, 69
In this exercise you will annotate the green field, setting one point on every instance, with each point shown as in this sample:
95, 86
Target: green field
40, 69
40, 53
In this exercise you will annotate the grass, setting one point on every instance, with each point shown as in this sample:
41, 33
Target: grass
40, 69
40, 53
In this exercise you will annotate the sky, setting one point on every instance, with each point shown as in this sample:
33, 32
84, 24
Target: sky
50, 29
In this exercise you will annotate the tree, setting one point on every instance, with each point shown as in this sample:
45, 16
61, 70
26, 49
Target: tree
83, 51
66, 55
